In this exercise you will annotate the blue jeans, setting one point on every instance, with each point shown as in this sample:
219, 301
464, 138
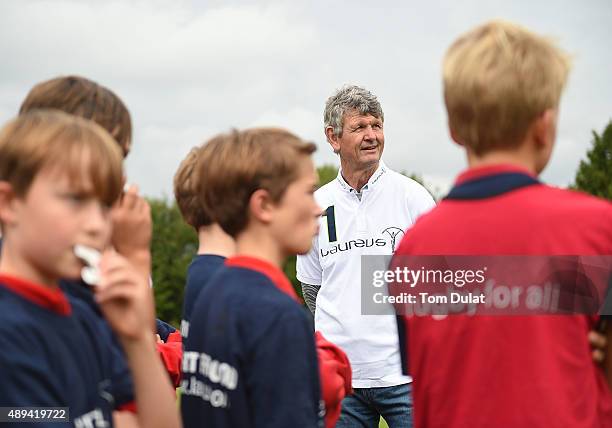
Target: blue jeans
364, 408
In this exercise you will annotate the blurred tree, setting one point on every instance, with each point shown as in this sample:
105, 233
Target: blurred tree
174, 244
594, 174
327, 173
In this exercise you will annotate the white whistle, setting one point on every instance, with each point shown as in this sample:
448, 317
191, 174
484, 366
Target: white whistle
90, 273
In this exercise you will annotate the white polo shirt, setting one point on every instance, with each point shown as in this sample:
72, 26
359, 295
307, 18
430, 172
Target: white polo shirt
371, 225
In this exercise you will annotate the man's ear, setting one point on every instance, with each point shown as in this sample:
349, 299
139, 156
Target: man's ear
332, 139
8, 215
260, 206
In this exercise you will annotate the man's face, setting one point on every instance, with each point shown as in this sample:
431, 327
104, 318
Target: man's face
362, 141
296, 216
50, 219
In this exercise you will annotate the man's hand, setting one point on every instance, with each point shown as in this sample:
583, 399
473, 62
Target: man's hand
131, 217
125, 298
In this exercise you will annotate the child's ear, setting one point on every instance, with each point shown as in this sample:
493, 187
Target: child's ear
454, 136
260, 206
544, 129
7, 205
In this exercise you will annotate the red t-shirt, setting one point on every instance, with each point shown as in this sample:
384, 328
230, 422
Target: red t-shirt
508, 371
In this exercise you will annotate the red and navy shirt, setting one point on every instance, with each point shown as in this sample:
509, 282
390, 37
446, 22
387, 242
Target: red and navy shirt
52, 353
250, 358
86, 309
200, 270
507, 371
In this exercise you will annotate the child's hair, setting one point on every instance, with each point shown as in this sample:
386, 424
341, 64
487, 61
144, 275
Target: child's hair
498, 78
51, 139
186, 192
82, 97
232, 166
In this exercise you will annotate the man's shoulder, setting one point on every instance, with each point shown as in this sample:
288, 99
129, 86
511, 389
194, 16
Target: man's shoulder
408, 185
326, 192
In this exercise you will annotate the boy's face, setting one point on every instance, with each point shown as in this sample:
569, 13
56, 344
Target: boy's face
53, 216
296, 216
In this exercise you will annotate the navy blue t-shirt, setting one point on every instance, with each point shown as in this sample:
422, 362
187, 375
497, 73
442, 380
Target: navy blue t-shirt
53, 354
86, 309
200, 270
250, 358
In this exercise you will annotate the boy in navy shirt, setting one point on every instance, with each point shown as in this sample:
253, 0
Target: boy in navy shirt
214, 245
502, 87
131, 214
59, 175
250, 358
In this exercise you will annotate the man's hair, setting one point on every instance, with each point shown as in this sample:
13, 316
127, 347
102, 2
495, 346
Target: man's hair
82, 97
46, 139
498, 78
232, 166
186, 191
347, 99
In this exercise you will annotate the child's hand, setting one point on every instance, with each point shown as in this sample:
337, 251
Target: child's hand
131, 217
598, 344
125, 298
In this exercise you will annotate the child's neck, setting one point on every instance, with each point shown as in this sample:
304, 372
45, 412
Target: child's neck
213, 240
12, 265
516, 157
261, 246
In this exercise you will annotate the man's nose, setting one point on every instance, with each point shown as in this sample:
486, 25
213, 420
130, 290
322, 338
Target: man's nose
369, 133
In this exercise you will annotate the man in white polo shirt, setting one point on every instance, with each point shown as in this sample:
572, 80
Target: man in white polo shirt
367, 209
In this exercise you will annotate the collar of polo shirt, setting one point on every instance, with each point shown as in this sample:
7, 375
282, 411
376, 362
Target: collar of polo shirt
382, 168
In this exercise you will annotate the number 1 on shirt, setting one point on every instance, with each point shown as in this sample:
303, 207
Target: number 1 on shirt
331, 223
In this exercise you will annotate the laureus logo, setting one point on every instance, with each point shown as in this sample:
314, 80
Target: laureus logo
393, 233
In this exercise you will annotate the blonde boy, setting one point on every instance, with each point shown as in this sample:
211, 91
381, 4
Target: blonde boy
250, 358
502, 87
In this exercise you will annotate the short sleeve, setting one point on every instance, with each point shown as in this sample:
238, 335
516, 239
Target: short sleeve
419, 200
308, 267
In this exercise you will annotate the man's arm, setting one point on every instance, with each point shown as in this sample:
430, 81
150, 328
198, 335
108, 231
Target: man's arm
310, 291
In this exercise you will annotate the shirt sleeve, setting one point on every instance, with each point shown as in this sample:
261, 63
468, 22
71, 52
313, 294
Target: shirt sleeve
283, 380
308, 266
419, 200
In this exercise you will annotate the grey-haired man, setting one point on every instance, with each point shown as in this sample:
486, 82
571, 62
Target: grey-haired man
368, 207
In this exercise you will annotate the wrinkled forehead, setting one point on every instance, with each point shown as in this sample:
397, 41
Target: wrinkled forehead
355, 116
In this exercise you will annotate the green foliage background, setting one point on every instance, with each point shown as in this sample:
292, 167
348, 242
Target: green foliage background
594, 174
